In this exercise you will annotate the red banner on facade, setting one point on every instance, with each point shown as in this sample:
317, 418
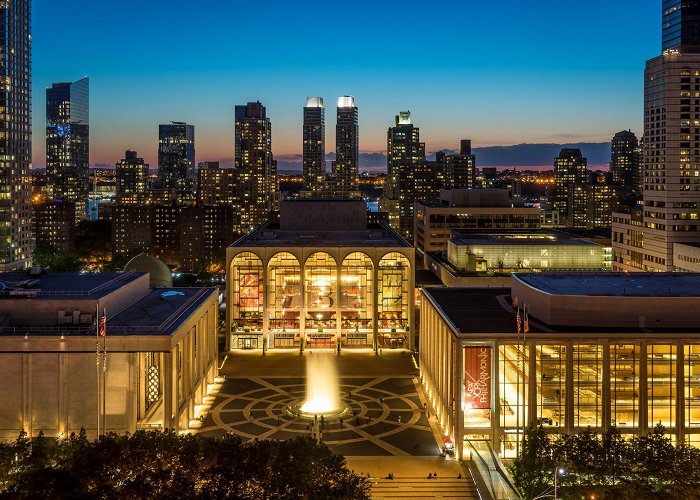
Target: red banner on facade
477, 377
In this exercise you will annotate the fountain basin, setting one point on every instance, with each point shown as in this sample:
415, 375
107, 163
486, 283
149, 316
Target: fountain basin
310, 409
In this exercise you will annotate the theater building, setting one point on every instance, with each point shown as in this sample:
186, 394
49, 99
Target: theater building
602, 349
323, 277
160, 362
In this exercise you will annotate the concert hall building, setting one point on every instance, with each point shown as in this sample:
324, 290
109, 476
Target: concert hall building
602, 349
323, 277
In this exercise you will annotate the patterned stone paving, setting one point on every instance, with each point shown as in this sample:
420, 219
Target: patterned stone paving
254, 407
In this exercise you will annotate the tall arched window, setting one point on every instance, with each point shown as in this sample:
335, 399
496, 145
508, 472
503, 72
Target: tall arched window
284, 291
356, 298
394, 294
247, 290
320, 282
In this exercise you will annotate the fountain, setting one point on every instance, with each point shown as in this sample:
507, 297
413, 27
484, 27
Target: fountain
322, 389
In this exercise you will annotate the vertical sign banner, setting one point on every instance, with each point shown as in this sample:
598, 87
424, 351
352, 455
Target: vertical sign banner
477, 377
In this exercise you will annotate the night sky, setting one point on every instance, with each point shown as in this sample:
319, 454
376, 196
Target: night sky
498, 72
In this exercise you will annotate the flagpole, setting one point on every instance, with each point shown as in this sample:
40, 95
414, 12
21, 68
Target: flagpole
104, 373
97, 363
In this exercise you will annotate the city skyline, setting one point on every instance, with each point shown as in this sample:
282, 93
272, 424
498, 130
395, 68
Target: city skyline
490, 94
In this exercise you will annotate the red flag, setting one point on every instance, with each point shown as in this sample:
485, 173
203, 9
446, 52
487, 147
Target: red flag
103, 325
526, 328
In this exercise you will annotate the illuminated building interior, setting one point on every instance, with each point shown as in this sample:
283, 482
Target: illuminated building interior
565, 380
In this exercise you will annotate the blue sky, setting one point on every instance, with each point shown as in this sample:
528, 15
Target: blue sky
498, 72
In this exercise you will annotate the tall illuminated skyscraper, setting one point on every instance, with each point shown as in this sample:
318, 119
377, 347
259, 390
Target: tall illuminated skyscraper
176, 154
132, 179
570, 173
347, 149
16, 140
460, 169
68, 144
651, 239
256, 169
405, 153
314, 160
625, 162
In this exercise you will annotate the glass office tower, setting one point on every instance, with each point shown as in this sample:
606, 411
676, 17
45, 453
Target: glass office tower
176, 159
68, 144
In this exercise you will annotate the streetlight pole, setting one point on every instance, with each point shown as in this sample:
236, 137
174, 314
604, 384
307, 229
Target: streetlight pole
557, 471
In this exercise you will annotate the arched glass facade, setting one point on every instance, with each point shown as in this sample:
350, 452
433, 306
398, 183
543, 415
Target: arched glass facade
321, 289
247, 291
394, 299
357, 300
284, 298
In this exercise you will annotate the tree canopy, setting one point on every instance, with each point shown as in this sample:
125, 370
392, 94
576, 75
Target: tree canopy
607, 466
151, 464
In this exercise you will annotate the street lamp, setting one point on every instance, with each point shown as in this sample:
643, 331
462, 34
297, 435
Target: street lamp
557, 472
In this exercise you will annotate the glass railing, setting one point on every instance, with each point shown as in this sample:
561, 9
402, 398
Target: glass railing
493, 475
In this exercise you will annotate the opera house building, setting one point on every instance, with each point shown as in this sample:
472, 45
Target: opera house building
323, 277
593, 350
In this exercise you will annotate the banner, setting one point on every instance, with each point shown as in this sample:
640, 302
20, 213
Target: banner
477, 377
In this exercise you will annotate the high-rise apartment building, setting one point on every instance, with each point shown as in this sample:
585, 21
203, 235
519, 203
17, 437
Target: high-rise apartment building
671, 190
460, 169
314, 148
16, 140
68, 144
256, 169
132, 179
570, 172
405, 153
216, 185
347, 149
625, 163
176, 154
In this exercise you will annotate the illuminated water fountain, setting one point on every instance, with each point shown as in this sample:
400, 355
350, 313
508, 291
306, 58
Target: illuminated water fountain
322, 389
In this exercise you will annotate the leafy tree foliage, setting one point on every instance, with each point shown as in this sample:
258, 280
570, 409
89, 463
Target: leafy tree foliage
167, 465
607, 466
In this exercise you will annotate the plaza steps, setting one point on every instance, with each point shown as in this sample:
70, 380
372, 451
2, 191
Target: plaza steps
422, 487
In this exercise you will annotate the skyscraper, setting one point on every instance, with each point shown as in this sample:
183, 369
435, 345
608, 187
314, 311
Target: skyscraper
670, 215
176, 159
16, 141
132, 179
256, 169
570, 173
347, 149
314, 160
460, 169
681, 26
405, 153
68, 143
625, 162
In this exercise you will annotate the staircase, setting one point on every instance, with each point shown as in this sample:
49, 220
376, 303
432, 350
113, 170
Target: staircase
422, 487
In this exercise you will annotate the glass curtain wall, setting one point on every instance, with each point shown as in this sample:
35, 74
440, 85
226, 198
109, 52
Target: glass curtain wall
356, 300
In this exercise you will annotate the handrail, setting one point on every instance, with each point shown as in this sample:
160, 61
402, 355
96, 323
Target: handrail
492, 472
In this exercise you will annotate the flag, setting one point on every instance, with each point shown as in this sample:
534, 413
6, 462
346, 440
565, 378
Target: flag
518, 321
103, 325
526, 328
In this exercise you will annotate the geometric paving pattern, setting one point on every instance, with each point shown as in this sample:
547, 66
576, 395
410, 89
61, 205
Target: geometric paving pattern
254, 407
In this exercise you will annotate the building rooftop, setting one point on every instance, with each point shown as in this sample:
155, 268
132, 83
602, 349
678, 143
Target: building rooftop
614, 284
270, 235
520, 239
475, 310
160, 312
55, 284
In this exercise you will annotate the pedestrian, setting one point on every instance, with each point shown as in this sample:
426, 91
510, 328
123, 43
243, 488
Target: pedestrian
369, 419
425, 407
315, 418
430, 475
381, 400
368, 476
399, 418
341, 421
434, 475
459, 476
